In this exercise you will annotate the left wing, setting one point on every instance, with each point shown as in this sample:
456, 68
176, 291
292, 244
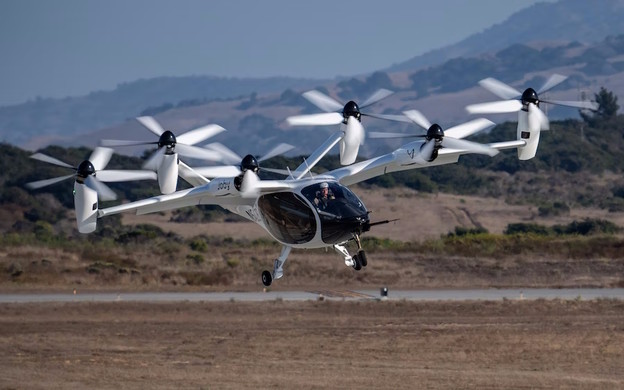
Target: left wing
403, 159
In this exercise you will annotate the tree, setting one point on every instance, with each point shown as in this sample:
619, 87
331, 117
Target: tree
607, 107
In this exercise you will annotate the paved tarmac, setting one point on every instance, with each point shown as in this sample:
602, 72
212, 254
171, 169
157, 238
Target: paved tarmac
350, 295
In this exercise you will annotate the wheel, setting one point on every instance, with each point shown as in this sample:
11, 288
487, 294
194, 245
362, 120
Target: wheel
266, 278
362, 256
357, 264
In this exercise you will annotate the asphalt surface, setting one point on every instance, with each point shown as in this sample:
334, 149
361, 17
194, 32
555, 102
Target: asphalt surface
409, 295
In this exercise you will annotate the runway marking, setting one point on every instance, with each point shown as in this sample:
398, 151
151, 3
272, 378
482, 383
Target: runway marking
341, 294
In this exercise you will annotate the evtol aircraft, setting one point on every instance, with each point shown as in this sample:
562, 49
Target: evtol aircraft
304, 210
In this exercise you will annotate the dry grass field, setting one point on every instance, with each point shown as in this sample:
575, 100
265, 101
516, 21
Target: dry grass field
314, 345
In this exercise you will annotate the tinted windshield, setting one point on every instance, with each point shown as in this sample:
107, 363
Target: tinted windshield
288, 217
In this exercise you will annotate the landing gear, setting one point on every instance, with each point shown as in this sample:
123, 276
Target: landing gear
357, 264
278, 270
357, 261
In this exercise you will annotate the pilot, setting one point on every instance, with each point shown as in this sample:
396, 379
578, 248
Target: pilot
323, 196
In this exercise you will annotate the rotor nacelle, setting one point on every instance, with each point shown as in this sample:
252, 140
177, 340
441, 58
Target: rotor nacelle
435, 132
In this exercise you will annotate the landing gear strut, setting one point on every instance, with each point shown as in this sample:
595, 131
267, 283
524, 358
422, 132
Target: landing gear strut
278, 270
356, 261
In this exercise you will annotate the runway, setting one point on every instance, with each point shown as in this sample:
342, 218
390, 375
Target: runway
338, 295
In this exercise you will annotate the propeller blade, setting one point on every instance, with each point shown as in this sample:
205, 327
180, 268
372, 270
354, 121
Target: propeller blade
196, 152
112, 175
552, 82
395, 118
249, 186
120, 142
537, 119
284, 172
472, 147
100, 157
418, 118
495, 107
276, 151
375, 97
151, 124
42, 183
467, 129
585, 105
218, 171
330, 118
50, 160
200, 134
377, 134
227, 155
425, 152
322, 101
499, 88
104, 191
153, 163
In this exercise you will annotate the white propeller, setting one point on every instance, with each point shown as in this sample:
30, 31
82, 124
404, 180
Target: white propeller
528, 100
235, 160
168, 142
436, 137
92, 172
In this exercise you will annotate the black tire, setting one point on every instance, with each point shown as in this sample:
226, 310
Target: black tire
357, 265
363, 260
267, 278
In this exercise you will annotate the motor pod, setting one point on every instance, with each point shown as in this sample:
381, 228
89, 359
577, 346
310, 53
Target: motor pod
86, 206
529, 133
168, 173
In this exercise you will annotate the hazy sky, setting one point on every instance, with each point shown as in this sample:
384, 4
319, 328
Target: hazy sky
57, 48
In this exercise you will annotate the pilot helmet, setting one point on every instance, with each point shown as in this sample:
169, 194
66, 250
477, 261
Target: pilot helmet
324, 185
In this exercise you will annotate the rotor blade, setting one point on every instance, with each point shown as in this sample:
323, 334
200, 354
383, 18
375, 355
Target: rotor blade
284, 172
378, 134
537, 119
154, 161
466, 129
276, 151
499, 88
587, 105
104, 191
227, 155
218, 171
330, 118
395, 118
200, 134
50, 160
100, 157
552, 82
112, 175
495, 107
197, 152
375, 97
418, 118
120, 142
472, 147
322, 101
151, 124
424, 155
42, 183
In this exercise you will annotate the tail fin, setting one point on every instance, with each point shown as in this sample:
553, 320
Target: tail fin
86, 206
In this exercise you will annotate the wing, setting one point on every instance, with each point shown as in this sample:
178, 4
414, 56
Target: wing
403, 159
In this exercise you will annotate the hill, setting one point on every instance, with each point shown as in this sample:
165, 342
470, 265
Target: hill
561, 21
566, 37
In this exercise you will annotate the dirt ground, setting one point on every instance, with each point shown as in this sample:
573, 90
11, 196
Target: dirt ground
314, 345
